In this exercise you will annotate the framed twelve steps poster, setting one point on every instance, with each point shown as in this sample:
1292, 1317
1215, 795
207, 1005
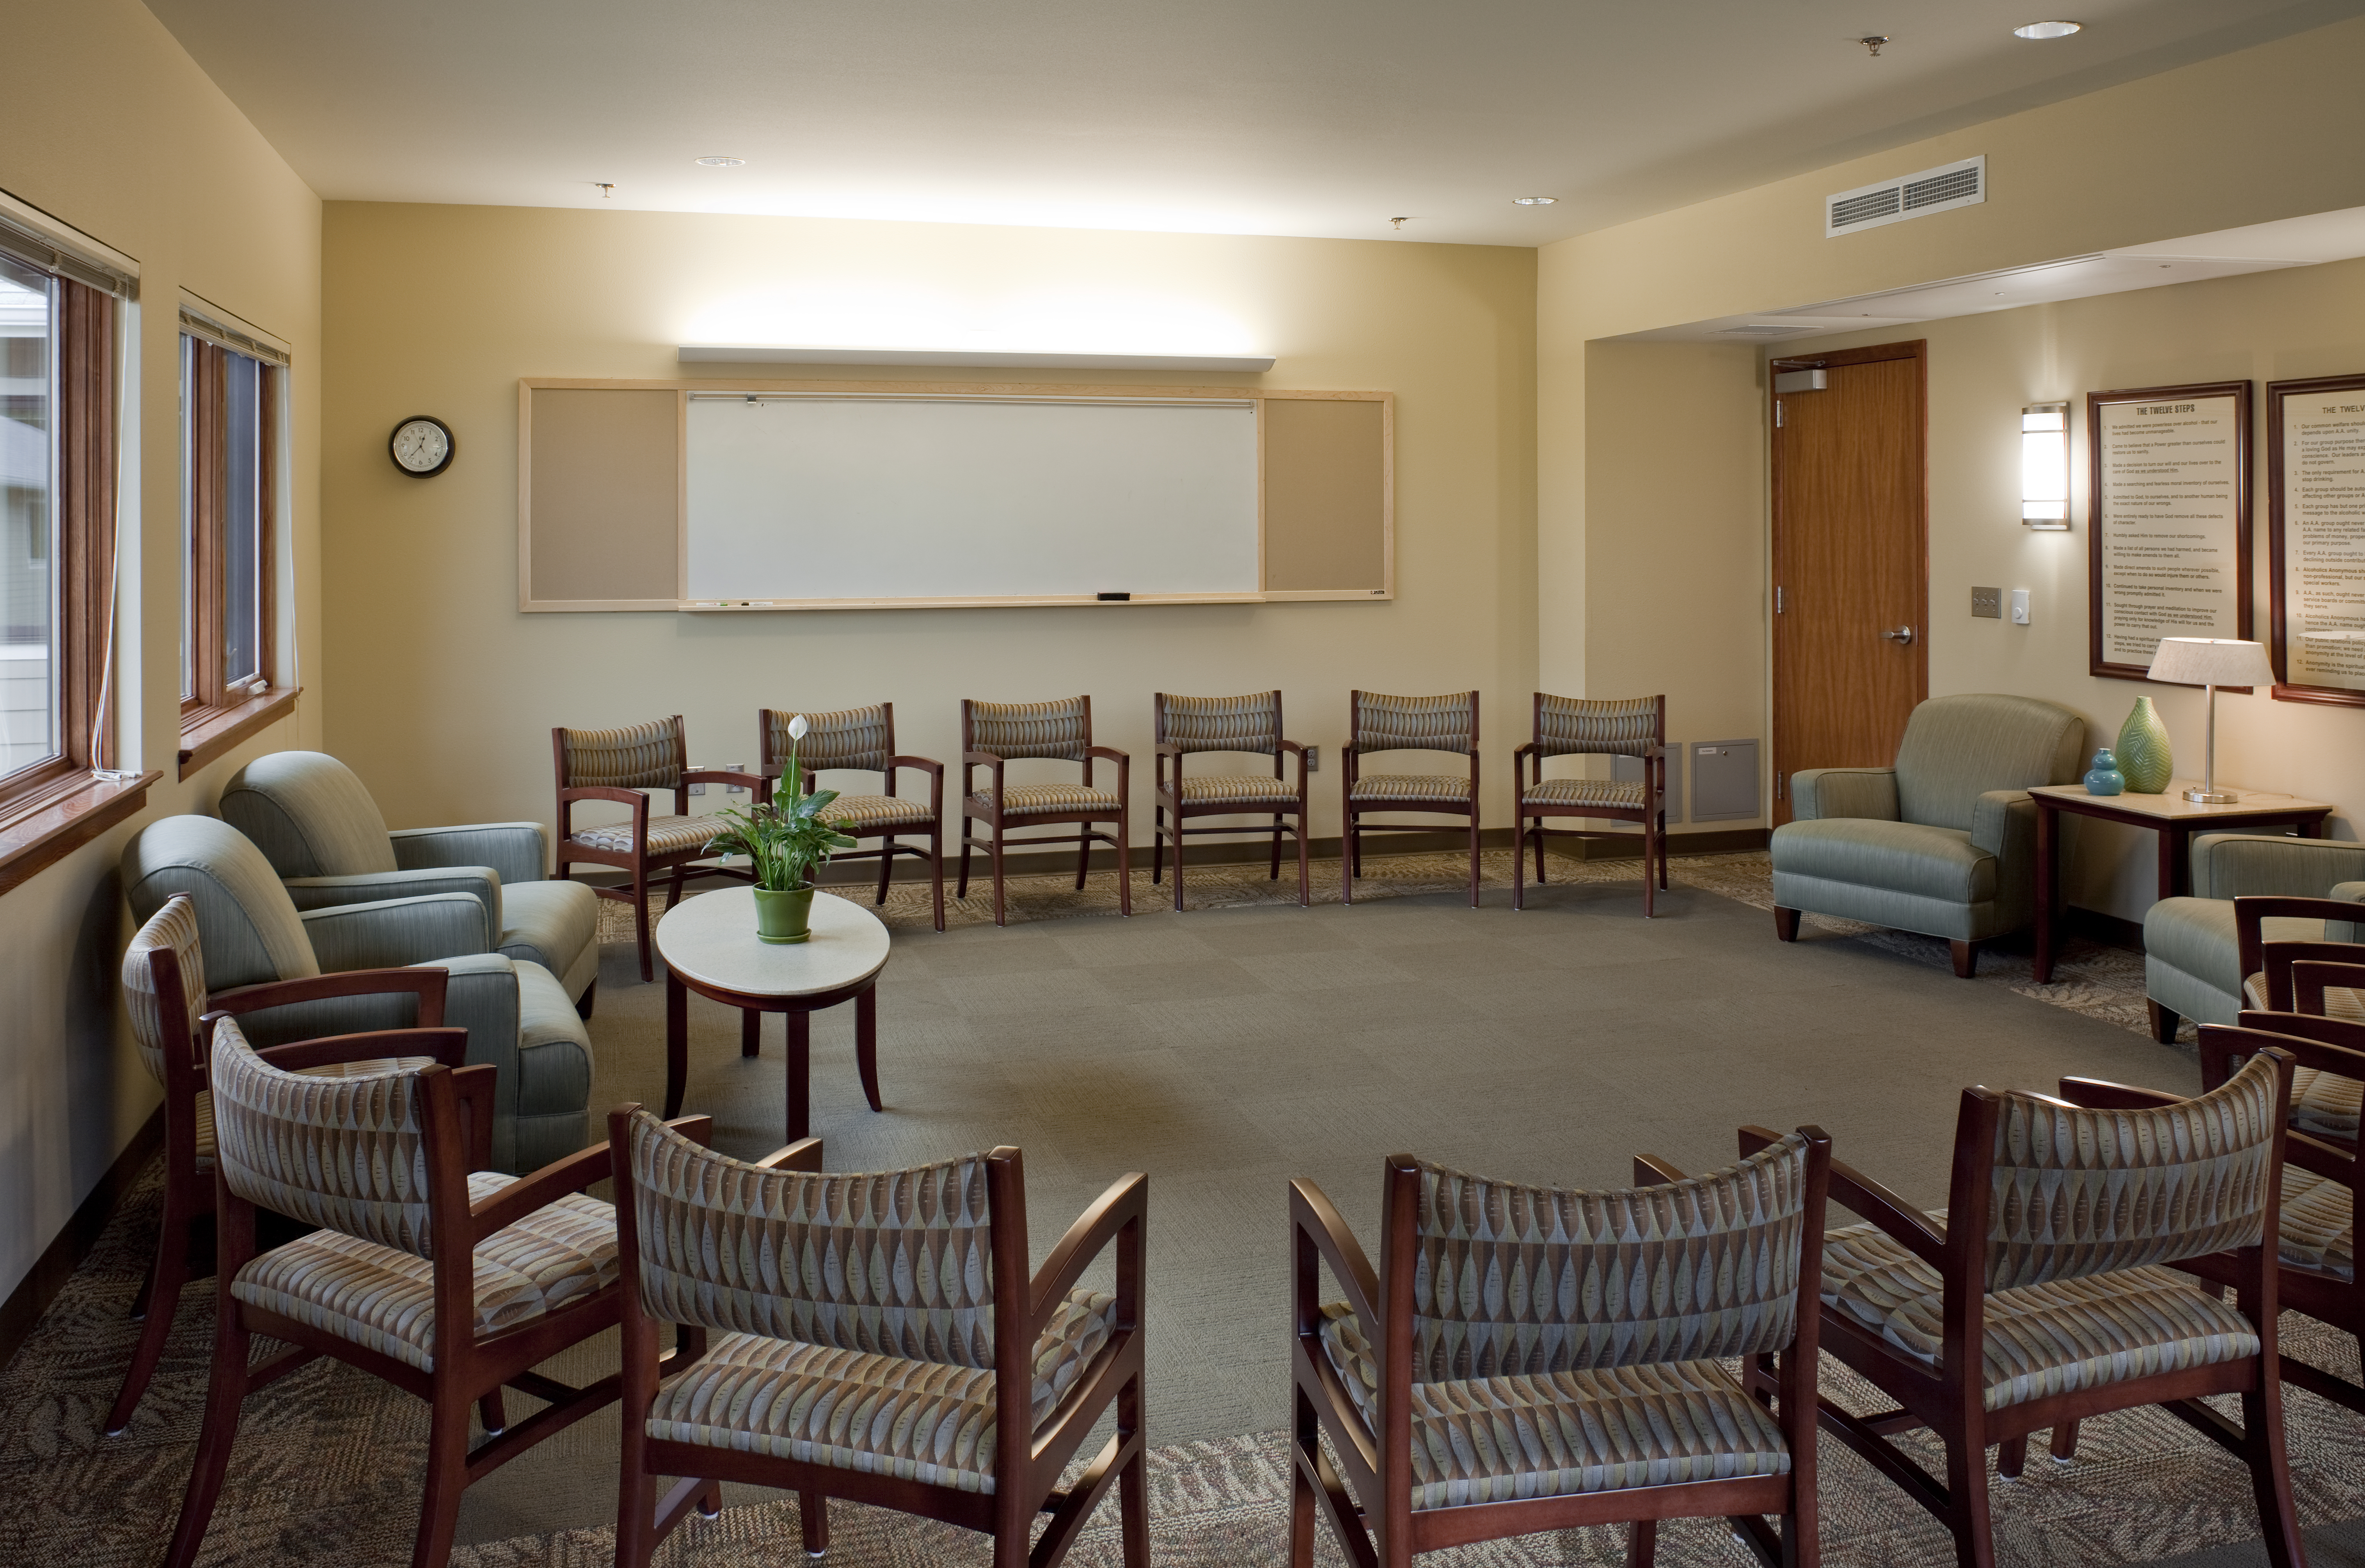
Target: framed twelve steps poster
2316, 538
2168, 519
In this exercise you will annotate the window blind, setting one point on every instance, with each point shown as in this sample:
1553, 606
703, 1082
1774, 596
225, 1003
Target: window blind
35, 238
209, 323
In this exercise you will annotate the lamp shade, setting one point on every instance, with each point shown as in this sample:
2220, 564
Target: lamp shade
2211, 661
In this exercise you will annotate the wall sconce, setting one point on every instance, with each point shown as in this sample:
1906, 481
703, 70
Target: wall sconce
2045, 465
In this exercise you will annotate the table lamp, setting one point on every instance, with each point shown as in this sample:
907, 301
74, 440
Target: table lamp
2211, 662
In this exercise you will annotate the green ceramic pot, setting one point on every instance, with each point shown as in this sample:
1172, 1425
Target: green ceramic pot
781, 916
2143, 751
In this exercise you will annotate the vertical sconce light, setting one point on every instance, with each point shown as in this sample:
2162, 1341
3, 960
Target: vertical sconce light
2045, 465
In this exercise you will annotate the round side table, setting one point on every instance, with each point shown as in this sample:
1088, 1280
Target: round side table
709, 946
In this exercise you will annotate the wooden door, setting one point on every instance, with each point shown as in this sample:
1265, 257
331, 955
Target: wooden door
1851, 575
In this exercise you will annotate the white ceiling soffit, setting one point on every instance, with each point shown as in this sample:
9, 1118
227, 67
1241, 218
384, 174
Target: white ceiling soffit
2287, 243
1324, 117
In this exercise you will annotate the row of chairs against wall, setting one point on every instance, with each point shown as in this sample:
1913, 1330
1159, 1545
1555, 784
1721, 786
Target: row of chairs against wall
1522, 1359
617, 765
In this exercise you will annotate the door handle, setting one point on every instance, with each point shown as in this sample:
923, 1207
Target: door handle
1902, 634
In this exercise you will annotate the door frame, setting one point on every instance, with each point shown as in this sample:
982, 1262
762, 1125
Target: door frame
1918, 351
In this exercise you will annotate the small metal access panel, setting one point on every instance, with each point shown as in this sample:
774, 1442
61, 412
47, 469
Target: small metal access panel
1629, 770
1724, 781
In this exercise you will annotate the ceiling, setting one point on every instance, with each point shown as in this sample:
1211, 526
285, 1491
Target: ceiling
1324, 118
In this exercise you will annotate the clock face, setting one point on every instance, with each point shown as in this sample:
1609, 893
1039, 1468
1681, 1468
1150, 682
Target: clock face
421, 446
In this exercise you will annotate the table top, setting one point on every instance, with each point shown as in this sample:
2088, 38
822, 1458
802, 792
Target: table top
710, 939
2172, 807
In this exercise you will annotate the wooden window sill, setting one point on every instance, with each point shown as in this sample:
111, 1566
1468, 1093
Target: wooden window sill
209, 732
40, 831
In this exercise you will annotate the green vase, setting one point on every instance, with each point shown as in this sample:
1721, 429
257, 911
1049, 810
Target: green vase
781, 914
2143, 751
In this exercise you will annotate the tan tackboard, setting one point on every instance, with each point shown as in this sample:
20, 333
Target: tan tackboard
601, 491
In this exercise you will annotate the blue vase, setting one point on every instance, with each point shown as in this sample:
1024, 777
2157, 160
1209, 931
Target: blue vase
2105, 777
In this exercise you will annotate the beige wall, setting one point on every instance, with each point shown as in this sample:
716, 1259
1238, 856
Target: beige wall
118, 133
446, 693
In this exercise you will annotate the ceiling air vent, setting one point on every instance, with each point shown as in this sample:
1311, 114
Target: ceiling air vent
1942, 189
1766, 330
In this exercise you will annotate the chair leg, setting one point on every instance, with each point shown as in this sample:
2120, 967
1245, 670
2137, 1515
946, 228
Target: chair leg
1642, 1543
936, 871
158, 1296
1967, 959
1785, 923
1301, 1518
491, 1411
1133, 1482
1304, 867
1275, 875
1350, 859
886, 867
997, 873
2012, 1457
1474, 860
961, 891
2064, 1442
1158, 845
813, 1514
2263, 1445
583, 1004
1967, 1491
640, 918
2163, 1022
1520, 864
1538, 822
224, 1394
673, 893
1125, 864
1083, 853
1662, 852
1154, 842
447, 1477
1650, 883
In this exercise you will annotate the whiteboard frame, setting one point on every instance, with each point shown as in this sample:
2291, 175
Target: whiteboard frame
997, 391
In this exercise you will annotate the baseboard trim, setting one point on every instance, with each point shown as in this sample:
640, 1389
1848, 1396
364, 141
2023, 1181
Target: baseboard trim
41, 1285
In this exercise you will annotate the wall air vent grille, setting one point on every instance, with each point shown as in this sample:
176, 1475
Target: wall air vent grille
1911, 195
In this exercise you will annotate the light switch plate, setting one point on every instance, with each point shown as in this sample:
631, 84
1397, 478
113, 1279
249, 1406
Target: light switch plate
2020, 607
1988, 603
698, 789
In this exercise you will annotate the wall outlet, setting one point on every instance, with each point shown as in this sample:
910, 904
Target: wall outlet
1988, 603
734, 788
698, 789
1313, 759
2020, 607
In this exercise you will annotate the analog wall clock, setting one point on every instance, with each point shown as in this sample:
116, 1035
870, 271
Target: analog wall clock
421, 446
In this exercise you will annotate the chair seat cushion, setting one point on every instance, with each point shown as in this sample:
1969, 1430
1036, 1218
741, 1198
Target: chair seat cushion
1622, 794
667, 835
868, 813
852, 1410
1939, 863
204, 1138
1378, 788
1023, 800
2041, 1339
1554, 1434
2197, 936
383, 1300
549, 923
2319, 1225
1243, 789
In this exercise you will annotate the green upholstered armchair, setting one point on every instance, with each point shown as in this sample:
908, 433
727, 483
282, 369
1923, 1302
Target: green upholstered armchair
1944, 843
2193, 966
316, 824
518, 1017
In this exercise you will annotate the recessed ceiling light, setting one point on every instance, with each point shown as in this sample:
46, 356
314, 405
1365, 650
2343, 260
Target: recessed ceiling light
2047, 29
1534, 201
718, 162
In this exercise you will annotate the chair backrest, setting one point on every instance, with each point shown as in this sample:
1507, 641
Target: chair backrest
1378, 722
1512, 1280
245, 919
309, 814
1251, 723
1958, 748
849, 737
1061, 730
890, 1262
2074, 1192
639, 756
165, 1000
1628, 726
348, 1154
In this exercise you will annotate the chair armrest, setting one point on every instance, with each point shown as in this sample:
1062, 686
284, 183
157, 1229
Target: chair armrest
2312, 976
518, 852
754, 783
1167, 748
396, 932
1890, 1214
804, 1155
1312, 1217
1650, 1171
1125, 1206
2003, 823
601, 792
428, 985
448, 1046
2252, 911
2237, 865
2099, 1095
540, 1189
2318, 1157
1821, 792
478, 881
975, 759
1109, 752
1291, 746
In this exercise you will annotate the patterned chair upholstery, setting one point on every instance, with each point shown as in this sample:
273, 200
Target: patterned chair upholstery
800, 1295
618, 766
1566, 1346
314, 821
1377, 722
996, 734
1186, 727
2074, 1283
1582, 727
383, 1163
863, 740
1945, 842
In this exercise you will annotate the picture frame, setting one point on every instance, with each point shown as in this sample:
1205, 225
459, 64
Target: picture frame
2315, 451
2168, 519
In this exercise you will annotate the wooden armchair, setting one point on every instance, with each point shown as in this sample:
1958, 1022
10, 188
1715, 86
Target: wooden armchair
1249, 724
164, 991
1578, 727
1463, 1407
1379, 722
2314, 979
449, 1280
617, 766
995, 735
979, 1385
2049, 1290
864, 738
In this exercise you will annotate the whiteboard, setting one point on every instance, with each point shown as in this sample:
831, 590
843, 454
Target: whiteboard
819, 498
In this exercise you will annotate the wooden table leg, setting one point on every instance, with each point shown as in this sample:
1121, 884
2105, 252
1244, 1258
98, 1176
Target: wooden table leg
799, 1073
677, 1042
751, 1031
2171, 840
866, 1028
2048, 834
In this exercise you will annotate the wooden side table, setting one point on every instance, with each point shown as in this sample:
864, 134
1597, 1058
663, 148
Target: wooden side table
2173, 818
709, 946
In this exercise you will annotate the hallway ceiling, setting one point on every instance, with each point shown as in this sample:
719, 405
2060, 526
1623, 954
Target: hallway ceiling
1323, 117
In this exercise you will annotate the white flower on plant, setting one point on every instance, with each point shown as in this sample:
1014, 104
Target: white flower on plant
798, 728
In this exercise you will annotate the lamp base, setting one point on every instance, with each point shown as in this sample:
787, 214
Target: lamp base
2201, 797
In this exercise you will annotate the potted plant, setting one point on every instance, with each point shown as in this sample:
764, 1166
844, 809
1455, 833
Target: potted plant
784, 841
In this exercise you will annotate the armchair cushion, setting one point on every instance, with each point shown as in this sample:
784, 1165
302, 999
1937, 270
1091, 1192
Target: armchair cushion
248, 924
1956, 749
1240, 788
667, 835
555, 924
2246, 865
1378, 788
515, 851
479, 882
309, 814
1819, 793
1023, 800
871, 813
1622, 794
1894, 857
393, 933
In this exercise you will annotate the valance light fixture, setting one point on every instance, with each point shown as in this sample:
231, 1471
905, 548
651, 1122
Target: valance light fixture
2045, 465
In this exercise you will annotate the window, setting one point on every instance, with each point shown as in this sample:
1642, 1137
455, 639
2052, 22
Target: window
229, 405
